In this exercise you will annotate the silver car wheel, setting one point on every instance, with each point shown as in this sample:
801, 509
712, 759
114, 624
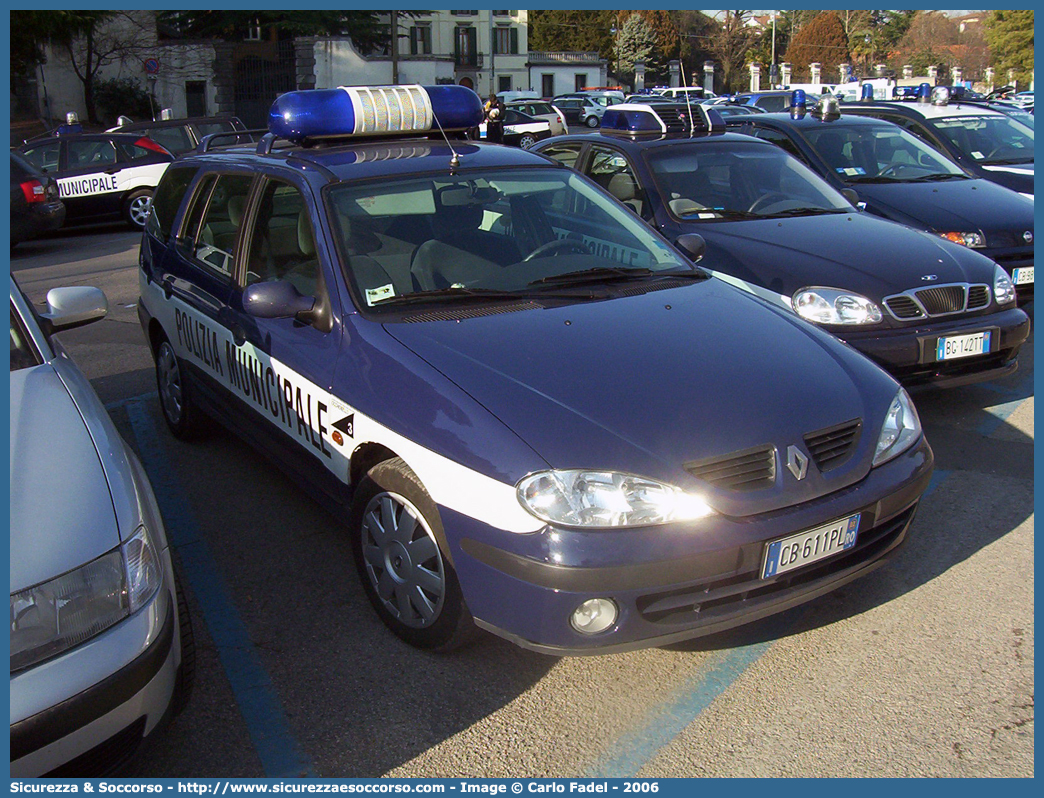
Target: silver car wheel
593, 121
138, 210
169, 383
403, 560
526, 142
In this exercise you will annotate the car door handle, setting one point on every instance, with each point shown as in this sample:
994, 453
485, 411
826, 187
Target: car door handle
168, 287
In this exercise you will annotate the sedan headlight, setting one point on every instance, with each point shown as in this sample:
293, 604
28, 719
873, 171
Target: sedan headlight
900, 430
578, 498
74, 607
975, 240
1003, 288
834, 306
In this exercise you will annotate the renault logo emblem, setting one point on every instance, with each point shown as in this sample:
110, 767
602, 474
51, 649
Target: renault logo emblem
929, 277
1028, 236
797, 462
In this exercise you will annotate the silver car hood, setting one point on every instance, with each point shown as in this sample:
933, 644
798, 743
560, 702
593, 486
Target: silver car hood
62, 512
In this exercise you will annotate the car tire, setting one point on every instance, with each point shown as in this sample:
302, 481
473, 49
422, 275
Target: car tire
408, 579
183, 417
187, 671
527, 141
136, 207
593, 121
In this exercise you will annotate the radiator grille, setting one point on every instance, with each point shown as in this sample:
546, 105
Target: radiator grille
903, 307
750, 469
943, 299
978, 297
832, 446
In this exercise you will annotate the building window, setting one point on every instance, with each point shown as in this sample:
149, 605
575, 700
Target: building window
547, 85
505, 41
504, 82
253, 33
463, 13
465, 50
503, 13
420, 40
581, 81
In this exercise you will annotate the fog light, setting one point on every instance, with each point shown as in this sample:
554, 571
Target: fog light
594, 616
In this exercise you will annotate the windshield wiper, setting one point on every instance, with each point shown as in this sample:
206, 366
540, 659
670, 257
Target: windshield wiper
608, 274
1008, 161
804, 212
874, 179
467, 295
939, 176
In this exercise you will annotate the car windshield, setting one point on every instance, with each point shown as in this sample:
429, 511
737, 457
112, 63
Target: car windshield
878, 153
504, 234
730, 180
993, 139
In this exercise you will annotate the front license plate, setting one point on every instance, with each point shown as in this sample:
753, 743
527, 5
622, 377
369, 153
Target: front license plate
808, 547
1023, 276
955, 346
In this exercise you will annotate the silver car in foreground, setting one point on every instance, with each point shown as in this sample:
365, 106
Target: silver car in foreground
101, 643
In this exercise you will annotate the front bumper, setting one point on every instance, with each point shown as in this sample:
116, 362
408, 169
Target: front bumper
677, 581
61, 728
909, 353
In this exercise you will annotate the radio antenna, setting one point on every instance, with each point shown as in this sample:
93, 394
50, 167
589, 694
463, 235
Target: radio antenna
455, 160
688, 104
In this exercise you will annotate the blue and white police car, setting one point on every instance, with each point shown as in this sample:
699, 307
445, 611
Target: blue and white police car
579, 442
101, 176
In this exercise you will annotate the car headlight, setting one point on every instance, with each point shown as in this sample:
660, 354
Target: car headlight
1003, 287
834, 306
900, 430
577, 498
74, 607
975, 240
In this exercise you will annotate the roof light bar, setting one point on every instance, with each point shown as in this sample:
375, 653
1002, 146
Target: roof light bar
867, 93
924, 93
367, 111
941, 95
798, 103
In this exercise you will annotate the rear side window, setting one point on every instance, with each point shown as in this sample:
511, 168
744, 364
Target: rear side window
565, 154
132, 152
167, 199
87, 153
779, 139
215, 244
773, 103
173, 139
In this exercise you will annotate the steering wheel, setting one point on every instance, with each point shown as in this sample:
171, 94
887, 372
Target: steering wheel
555, 246
768, 199
891, 170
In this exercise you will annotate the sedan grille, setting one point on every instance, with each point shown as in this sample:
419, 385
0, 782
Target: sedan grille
750, 469
832, 446
978, 297
944, 299
939, 300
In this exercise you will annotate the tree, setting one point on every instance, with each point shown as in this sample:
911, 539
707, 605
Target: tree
579, 31
929, 41
664, 31
89, 40
822, 40
1010, 37
695, 33
637, 42
729, 45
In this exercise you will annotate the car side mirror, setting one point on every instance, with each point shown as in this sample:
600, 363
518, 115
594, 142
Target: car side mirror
277, 299
74, 307
851, 195
692, 244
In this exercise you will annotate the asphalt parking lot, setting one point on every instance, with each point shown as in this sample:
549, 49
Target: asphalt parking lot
923, 668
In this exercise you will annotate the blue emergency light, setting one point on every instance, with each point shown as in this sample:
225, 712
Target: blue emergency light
924, 93
365, 111
867, 93
798, 103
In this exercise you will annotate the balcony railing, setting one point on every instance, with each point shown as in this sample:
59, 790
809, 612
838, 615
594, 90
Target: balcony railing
468, 60
563, 58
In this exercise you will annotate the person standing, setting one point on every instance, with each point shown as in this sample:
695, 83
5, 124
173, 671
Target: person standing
494, 113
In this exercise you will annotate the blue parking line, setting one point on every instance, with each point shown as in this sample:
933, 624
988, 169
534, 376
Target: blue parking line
255, 694
634, 749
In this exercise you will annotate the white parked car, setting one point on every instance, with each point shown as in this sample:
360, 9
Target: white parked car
101, 641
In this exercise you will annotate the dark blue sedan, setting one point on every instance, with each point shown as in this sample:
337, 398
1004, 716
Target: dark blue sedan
535, 415
907, 299
898, 176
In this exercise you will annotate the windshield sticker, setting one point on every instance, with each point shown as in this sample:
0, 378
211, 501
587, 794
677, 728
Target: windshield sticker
374, 295
978, 156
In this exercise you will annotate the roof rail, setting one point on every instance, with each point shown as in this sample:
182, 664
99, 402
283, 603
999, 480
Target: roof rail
206, 142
